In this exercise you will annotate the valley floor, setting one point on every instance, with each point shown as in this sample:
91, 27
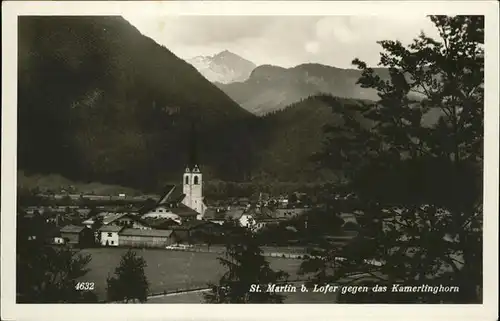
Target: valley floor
169, 271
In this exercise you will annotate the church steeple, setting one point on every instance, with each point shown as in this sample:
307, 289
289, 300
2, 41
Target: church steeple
193, 177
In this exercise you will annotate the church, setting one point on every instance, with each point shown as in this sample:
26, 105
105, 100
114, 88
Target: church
192, 188
186, 204
182, 205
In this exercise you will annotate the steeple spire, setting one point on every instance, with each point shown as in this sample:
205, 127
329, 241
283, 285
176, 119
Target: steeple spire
193, 157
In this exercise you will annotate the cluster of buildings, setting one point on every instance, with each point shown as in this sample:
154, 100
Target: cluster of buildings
181, 215
176, 218
130, 230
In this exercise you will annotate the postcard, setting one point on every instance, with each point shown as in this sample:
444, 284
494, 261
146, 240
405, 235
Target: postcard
320, 160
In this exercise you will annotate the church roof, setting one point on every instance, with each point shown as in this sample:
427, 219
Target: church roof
177, 196
167, 191
173, 195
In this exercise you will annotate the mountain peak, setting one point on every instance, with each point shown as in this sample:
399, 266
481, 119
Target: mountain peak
225, 52
267, 72
225, 67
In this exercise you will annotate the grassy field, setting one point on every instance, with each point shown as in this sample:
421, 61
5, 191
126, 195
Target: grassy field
168, 270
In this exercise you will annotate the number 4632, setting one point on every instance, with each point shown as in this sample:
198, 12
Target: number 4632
85, 286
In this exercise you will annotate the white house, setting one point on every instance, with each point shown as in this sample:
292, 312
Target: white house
246, 220
57, 240
162, 212
109, 235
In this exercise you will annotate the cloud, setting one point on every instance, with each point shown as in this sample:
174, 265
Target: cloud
283, 40
312, 47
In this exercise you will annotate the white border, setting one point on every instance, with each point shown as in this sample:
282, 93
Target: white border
11, 311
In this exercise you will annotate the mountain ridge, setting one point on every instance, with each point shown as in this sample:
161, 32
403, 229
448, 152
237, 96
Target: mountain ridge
271, 88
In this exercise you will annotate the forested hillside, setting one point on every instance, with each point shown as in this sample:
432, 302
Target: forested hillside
292, 136
100, 101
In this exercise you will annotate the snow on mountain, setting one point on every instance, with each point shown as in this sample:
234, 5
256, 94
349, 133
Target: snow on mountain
224, 67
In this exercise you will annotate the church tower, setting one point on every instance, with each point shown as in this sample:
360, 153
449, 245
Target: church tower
192, 180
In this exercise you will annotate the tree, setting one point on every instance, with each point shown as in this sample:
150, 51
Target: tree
93, 211
47, 274
318, 223
98, 223
130, 281
414, 166
246, 266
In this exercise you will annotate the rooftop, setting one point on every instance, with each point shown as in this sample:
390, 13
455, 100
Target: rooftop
167, 191
108, 218
72, 229
172, 194
111, 228
233, 213
160, 222
191, 224
183, 210
269, 219
147, 233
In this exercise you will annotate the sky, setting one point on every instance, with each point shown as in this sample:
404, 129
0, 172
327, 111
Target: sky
284, 41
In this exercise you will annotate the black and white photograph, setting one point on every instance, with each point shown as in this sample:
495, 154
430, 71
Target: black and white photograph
322, 158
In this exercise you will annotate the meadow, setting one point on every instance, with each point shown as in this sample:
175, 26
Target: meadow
168, 270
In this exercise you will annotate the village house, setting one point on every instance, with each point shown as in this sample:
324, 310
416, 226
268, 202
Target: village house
161, 212
243, 201
80, 236
109, 235
83, 212
219, 221
350, 222
283, 201
179, 213
131, 237
130, 221
32, 210
261, 223
161, 223
57, 240
221, 215
289, 212
196, 231
258, 217
118, 219
53, 236
246, 220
